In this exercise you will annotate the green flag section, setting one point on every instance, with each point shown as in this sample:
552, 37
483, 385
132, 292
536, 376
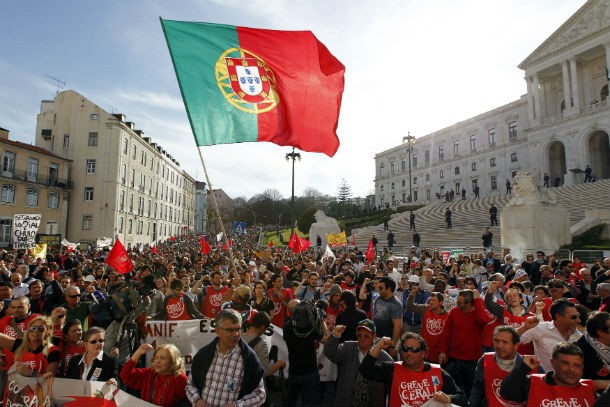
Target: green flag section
243, 84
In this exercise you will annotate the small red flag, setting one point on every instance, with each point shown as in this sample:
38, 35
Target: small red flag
154, 249
225, 247
118, 258
353, 239
370, 252
298, 244
230, 242
270, 244
171, 238
205, 247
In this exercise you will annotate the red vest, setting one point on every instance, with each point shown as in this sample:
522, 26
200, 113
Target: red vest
176, 310
493, 378
6, 326
414, 388
545, 395
213, 301
432, 327
279, 310
331, 316
517, 321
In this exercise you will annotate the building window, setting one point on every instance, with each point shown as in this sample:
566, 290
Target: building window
88, 193
129, 226
133, 177
392, 170
473, 166
121, 200
381, 188
392, 186
512, 131
491, 136
492, 162
403, 164
32, 172
31, 197
403, 183
143, 158
428, 194
92, 139
456, 148
5, 232
414, 161
53, 172
414, 180
494, 182
8, 164
131, 203
441, 153
125, 146
66, 141
53, 200
381, 170
473, 143
94, 116
134, 152
8, 194
87, 222
475, 182
427, 177
457, 170
90, 166
513, 157
427, 157
123, 173
441, 174
121, 224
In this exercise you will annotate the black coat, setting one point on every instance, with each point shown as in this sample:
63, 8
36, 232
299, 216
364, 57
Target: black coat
108, 364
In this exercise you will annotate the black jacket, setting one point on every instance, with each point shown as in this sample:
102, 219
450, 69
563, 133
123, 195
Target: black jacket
108, 364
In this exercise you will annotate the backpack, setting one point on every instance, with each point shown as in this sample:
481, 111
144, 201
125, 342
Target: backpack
306, 319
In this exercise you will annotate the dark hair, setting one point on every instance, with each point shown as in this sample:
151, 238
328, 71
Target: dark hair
468, 296
261, 318
349, 273
92, 331
275, 277
412, 335
472, 280
69, 325
560, 306
349, 298
567, 348
389, 283
508, 329
543, 288
598, 320
517, 285
564, 263
438, 283
439, 296
176, 284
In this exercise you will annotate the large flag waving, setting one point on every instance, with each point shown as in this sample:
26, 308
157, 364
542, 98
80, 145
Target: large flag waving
118, 258
297, 243
243, 84
370, 252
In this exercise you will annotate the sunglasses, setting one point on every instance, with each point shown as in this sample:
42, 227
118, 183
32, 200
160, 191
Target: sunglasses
95, 341
39, 328
74, 295
411, 349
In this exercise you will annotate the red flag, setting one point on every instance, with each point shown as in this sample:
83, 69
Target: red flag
298, 244
225, 247
270, 244
230, 242
171, 238
154, 249
353, 239
118, 258
205, 247
370, 252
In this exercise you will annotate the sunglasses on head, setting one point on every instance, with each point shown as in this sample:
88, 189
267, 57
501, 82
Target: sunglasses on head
39, 328
411, 349
95, 341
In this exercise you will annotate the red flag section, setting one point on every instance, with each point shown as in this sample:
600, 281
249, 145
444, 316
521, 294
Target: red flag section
370, 252
118, 258
298, 244
205, 247
270, 244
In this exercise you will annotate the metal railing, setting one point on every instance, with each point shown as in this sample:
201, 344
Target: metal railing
23, 176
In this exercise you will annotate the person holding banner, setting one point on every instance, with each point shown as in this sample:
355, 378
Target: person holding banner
94, 365
164, 382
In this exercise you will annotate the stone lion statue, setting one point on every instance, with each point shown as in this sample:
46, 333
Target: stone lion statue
321, 218
526, 191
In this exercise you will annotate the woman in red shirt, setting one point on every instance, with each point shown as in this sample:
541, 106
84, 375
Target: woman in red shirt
71, 344
164, 383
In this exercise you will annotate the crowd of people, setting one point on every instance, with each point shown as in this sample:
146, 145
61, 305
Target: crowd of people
478, 329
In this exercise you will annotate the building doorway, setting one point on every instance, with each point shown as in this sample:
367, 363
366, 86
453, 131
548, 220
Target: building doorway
599, 154
557, 163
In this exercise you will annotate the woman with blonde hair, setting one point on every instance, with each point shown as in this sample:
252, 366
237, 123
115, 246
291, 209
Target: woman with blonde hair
162, 384
34, 355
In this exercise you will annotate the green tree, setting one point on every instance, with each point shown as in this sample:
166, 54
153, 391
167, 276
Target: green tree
344, 194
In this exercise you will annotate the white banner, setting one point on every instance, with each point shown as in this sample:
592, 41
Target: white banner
103, 242
25, 227
190, 336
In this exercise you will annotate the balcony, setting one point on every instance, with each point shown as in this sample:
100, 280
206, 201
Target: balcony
22, 176
566, 115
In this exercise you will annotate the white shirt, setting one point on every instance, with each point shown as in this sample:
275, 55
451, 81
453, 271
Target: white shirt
544, 336
87, 368
20, 290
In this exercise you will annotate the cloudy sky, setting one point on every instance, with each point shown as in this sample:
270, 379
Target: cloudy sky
411, 66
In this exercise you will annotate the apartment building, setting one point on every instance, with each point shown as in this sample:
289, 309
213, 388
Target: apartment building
125, 184
33, 181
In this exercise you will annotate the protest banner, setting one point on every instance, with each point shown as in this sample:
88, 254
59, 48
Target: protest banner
445, 257
336, 239
25, 227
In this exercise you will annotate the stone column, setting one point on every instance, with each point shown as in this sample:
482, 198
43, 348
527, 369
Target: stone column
607, 48
574, 79
530, 99
536, 87
566, 86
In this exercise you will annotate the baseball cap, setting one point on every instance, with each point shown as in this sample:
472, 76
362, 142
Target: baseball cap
366, 324
520, 273
243, 291
90, 278
413, 279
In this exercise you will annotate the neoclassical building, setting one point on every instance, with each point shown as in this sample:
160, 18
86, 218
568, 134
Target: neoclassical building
124, 184
558, 128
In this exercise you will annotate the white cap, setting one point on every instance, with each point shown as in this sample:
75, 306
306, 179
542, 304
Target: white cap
90, 278
413, 279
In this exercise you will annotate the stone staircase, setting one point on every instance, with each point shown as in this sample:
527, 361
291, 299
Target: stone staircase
471, 216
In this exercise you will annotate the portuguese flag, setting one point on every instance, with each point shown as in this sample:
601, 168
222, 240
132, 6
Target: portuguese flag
243, 85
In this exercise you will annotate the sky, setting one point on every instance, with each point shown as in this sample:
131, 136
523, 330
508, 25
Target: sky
412, 66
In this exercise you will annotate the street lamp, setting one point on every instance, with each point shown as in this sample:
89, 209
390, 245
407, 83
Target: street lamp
294, 156
409, 139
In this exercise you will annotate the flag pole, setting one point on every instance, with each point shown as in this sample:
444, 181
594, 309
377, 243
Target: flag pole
222, 226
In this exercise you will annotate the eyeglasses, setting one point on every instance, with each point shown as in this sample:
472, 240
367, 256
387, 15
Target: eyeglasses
74, 296
231, 330
95, 341
39, 328
411, 349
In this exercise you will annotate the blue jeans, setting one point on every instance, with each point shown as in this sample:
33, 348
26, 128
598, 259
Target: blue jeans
306, 386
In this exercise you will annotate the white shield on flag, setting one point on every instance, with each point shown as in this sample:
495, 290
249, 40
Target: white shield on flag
249, 79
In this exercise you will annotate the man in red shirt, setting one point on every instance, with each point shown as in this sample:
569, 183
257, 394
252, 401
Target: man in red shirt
214, 296
280, 297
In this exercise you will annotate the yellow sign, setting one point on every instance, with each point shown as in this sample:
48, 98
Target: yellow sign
336, 239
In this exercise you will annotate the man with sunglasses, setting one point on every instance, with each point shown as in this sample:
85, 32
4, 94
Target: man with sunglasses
544, 335
413, 381
76, 309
